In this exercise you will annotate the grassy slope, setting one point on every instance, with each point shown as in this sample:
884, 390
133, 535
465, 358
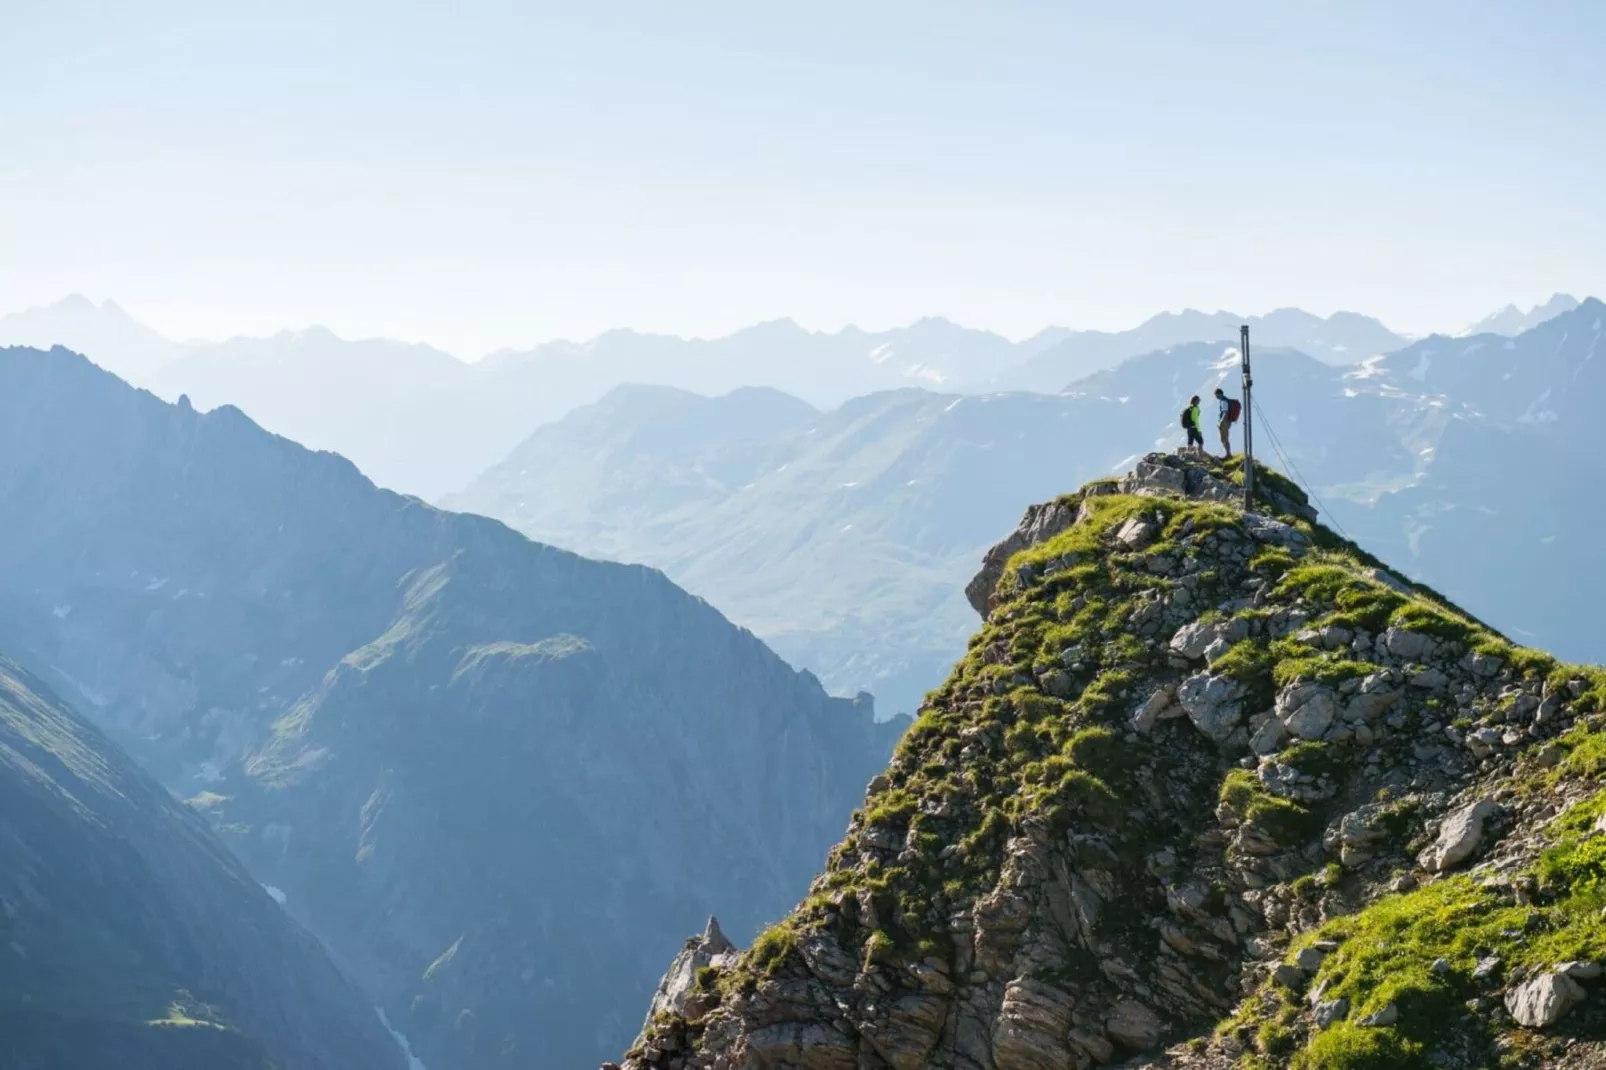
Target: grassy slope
992, 753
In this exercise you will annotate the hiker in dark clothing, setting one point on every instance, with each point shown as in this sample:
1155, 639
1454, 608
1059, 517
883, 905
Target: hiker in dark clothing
1227, 410
1190, 423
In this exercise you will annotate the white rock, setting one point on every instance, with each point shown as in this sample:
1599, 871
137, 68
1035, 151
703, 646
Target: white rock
1544, 1001
1307, 710
1212, 704
1195, 637
1145, 716
1268, 737
1403, 643
1459, 837
1135, 534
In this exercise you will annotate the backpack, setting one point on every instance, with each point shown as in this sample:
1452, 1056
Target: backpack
1187, 424
1235, 409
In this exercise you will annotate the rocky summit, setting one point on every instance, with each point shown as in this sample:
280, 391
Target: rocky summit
1211, 788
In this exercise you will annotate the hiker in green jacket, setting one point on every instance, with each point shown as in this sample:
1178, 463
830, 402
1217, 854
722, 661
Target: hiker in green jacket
1190, 423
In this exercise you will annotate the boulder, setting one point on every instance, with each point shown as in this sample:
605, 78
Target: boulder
1196, 637
1307, 709
1212, 703
1430, 679
1145, 716
1133, 1025
1329, 1011
1268, 737
1543, 1001
1406, 644
1135, 534
1459, 836
1153, 476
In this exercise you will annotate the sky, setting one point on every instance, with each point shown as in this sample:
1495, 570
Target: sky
481, 175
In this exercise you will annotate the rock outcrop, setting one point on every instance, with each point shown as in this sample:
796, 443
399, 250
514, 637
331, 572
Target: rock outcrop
1209, 789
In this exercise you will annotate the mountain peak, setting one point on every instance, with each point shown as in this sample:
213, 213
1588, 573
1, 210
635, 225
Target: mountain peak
1191, 768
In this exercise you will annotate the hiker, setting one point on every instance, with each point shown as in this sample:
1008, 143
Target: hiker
1190, 423
1227, 413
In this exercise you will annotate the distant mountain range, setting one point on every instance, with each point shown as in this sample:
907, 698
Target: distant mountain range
418, 420
130, 937
1342, 338
844, 536
1512, 320
483, 771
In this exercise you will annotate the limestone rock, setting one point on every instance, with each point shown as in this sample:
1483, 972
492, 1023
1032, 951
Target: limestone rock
1329, 1011
1193, 639
1041, 522
679, 985
1134, 1025
1212, 704
1135, 534
1459, 836
1031, 1027
1543, 1001
1307, 709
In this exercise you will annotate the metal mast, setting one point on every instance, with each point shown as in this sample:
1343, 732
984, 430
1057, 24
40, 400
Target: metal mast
1249, 423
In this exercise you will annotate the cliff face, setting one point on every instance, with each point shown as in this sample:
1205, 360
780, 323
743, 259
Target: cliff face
488, 774
129, 937
1208, 789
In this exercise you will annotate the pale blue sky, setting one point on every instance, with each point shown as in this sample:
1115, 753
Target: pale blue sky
482, 174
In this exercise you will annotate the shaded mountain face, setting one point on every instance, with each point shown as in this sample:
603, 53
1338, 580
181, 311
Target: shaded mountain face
1512, 320
488, 774
1209, 789
1342, 338
130, 937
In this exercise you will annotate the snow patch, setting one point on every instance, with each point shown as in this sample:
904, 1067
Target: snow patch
1536, 415
1473, 348
275, 894
1370, 368
413, 1061
1423, 362
954, 404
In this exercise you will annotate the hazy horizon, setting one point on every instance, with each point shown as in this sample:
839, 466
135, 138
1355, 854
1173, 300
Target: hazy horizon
509, 174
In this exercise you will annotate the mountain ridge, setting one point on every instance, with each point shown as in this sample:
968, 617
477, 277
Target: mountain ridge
1199, 766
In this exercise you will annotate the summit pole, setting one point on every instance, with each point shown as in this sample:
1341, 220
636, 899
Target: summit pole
1249, 422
